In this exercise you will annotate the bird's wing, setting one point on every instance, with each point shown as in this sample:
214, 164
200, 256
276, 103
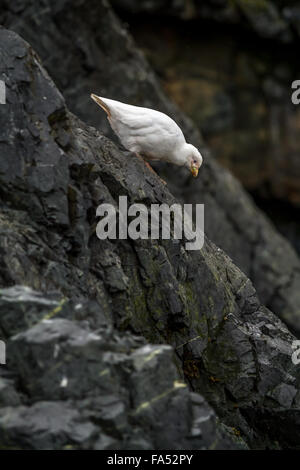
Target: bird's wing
140, 129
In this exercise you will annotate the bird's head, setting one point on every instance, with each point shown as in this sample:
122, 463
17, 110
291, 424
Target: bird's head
193, 159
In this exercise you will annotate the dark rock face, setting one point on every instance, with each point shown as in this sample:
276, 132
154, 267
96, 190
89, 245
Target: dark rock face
97, 55
92, 388
268, 19
67, 365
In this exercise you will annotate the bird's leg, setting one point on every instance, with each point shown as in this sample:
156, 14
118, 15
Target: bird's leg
150, 168
153, 171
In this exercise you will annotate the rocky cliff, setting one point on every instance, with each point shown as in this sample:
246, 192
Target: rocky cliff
86, 49
77, 375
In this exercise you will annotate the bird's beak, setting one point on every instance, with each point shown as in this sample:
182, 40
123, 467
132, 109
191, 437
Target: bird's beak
194, 171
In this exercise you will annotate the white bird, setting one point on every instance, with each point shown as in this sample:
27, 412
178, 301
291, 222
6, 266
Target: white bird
150, 134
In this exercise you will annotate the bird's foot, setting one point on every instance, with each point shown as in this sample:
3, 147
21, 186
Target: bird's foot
163, 181
150, 168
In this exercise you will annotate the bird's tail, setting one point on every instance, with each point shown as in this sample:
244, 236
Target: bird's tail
101, 103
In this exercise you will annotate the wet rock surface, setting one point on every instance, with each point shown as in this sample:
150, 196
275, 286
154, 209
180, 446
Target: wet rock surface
86, 49
71, 386
76, 373
268, 19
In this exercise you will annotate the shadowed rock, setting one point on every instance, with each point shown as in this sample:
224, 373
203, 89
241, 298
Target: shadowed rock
268, 19
95, 389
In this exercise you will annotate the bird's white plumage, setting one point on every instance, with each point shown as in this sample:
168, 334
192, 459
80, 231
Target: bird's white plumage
149, 133
152, 134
